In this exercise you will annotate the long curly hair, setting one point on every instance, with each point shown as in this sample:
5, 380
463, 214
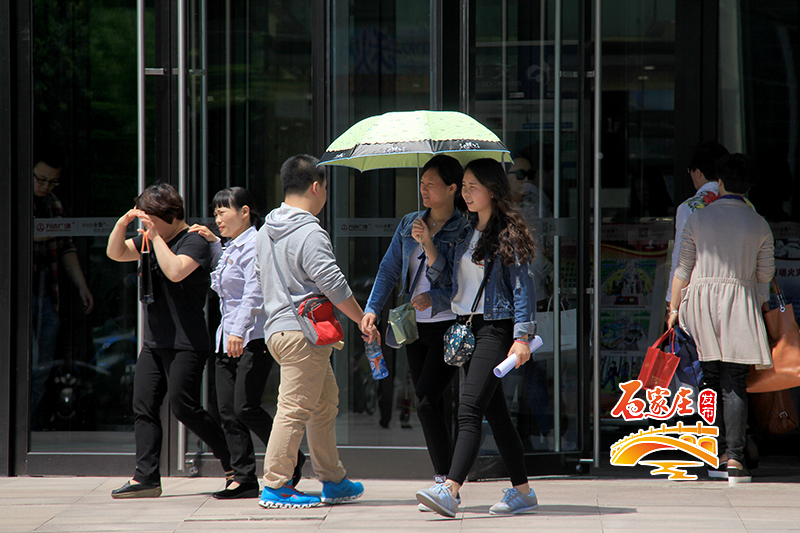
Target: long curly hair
506, 236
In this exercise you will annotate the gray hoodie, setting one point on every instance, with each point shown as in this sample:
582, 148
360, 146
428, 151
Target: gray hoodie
305, 256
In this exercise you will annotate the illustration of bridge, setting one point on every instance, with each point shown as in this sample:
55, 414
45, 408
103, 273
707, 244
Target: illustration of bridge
699, 441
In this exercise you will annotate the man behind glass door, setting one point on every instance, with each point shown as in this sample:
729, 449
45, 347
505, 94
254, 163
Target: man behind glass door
49, 255
702, 161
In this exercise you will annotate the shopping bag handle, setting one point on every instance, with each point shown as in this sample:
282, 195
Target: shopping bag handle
669, 333
145, 244
779, 295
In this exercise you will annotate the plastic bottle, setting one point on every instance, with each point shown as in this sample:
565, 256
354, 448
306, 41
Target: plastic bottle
375, 358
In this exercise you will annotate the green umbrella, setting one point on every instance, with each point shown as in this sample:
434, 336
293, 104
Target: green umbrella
408, 139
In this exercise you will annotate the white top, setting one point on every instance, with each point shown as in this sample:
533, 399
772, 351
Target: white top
469, 281
681, 216
423, 286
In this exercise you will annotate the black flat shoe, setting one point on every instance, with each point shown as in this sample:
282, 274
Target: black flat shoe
244, 490
137, 490
298, 470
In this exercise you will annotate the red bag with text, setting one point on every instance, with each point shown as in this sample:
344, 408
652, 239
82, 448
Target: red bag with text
659, 366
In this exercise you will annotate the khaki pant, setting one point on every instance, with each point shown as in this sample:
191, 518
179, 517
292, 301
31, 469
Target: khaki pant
308, 397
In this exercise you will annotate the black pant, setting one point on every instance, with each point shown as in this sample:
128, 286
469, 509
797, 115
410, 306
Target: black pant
729, 381
481, 396
179, 372
240, 384
431, 377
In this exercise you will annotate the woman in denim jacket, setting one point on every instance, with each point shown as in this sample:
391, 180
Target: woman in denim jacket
410, 251
502, 323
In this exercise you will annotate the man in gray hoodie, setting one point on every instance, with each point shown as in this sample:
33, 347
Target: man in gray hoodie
308, 396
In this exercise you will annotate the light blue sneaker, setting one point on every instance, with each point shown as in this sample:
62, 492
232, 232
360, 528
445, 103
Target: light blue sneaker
344, 491
287, 497
515, 502
422, 508
440, 499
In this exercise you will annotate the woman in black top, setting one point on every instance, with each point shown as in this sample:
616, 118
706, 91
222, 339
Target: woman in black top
176, 342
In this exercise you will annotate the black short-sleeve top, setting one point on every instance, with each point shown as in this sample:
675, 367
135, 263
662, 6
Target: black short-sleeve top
176, 317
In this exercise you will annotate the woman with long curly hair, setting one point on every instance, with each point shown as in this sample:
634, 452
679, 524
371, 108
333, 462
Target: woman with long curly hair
492, 283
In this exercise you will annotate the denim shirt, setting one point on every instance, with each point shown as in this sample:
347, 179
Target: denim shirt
509, 293
240, 299
395, 263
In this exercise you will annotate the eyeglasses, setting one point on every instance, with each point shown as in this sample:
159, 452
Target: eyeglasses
521, 174
47, 183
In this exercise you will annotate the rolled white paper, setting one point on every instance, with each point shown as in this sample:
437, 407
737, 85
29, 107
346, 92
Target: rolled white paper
511, 361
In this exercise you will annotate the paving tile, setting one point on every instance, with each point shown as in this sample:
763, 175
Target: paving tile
79, 505
652, 518
769, 518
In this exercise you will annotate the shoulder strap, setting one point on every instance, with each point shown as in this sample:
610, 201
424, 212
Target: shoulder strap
483, 284
422, 260
286, 287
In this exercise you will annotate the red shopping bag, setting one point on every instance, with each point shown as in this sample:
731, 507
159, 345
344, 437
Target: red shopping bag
659, 366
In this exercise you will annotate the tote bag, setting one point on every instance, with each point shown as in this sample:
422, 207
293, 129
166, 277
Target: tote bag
545, 324
659, 366
145, 273
784, 339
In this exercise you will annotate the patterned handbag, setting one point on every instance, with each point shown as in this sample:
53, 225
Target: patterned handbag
459, 341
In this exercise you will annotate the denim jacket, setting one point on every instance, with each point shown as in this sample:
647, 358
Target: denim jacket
509, 293
395, 263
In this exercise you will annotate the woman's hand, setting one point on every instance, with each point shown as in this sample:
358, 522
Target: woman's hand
672, 319
420, 232
235, 346
422, 301
204, 232
128, 217
367, 322
522, 350
149, 230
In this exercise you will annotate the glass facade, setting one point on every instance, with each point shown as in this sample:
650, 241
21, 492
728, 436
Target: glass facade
83, 323
380, 62
266, 81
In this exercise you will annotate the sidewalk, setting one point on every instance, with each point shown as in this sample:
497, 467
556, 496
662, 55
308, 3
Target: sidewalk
575, 504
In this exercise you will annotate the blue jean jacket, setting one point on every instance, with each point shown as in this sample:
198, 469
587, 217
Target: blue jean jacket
510, 291
395, 263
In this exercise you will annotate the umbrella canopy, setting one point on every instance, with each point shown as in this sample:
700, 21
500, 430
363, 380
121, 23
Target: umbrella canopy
408, 139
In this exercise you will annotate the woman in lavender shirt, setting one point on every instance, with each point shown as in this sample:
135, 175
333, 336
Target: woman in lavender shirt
243, 362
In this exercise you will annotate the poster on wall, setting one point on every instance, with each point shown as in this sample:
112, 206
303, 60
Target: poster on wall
633, 283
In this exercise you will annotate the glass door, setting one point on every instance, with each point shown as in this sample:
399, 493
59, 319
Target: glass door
526, 88
83, 326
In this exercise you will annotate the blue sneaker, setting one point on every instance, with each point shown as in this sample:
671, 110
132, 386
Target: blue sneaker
344, 491
287, 497
440, 499
515, 502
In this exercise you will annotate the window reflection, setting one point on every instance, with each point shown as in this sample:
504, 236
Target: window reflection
83, 344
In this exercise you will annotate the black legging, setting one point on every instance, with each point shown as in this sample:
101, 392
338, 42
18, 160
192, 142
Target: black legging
482, 395
179, 372
431, 377
240, 385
